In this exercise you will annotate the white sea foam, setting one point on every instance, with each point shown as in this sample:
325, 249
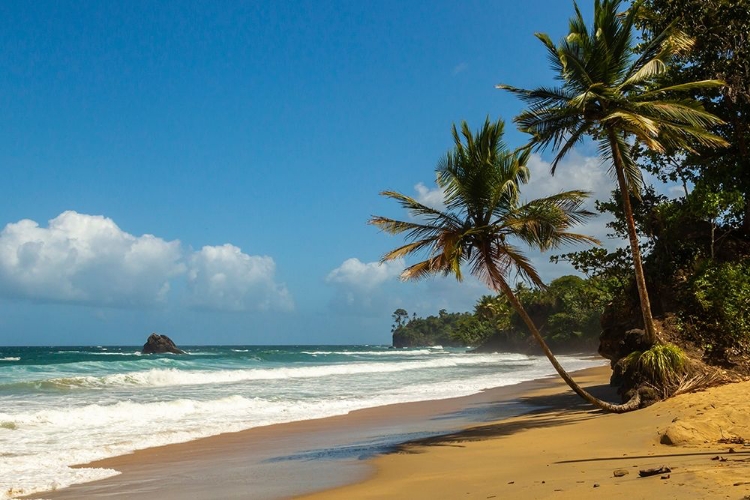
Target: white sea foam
389, 352
163, 377
41, 438
10, 358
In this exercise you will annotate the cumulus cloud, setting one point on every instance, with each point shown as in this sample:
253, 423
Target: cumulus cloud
365, 276
574, 172
373, 289
87, 259
431, 197
224, 278
360, 287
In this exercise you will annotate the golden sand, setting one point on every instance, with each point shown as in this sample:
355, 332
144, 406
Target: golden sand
565, 451
570, 452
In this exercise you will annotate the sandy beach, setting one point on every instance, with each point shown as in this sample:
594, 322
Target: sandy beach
558, 448
568, 451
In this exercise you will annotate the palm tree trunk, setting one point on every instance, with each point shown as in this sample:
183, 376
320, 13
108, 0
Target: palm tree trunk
631, 405
640, 278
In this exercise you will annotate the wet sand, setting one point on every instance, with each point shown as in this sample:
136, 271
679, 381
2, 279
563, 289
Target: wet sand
284, 460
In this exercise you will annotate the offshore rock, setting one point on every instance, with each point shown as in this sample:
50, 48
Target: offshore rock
160, 344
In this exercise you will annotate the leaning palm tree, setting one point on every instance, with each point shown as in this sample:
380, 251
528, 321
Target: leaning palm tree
482, 217
614, 97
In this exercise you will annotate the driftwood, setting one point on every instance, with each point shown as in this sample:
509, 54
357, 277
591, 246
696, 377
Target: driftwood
654, 472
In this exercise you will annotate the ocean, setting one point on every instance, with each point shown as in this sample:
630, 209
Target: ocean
62, 406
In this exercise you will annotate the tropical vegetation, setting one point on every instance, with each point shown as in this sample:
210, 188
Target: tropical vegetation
616, 98
675, 297
567, 314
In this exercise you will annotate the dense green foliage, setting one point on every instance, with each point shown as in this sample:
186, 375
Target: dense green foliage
445, 329
615, 98
720, 30
696, 246
698, 272
567, 313
720, 292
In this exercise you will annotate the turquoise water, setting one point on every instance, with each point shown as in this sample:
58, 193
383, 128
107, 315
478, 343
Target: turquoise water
61, 406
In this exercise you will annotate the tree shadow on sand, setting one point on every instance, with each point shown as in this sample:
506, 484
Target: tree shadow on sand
547, 410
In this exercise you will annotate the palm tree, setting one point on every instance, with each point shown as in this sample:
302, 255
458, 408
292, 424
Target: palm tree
482, 216
610, 95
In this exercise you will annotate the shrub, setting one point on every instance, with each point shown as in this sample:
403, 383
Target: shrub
661, 366
722, 293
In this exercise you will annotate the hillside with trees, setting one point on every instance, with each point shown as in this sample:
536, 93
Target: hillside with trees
567, 313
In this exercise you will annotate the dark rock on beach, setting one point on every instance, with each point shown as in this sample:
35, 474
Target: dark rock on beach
160, 344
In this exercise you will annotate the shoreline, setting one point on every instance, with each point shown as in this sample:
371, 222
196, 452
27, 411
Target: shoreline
320, 453
703, 438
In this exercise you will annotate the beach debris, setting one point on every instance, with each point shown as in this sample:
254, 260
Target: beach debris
732, 440
720, 459
620, 472
511, 482
596, 485
665, 477
654, 472
160, 344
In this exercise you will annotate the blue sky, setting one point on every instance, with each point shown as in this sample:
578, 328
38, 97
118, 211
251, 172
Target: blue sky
206, 169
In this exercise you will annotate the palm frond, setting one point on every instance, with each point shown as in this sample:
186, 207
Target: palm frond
544, 223
648, 71
572, 138
408, 249
682, 112
481, 181
681, 88
417, 209
425, 269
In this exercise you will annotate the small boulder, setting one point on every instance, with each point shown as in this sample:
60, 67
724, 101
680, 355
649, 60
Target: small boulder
160, 344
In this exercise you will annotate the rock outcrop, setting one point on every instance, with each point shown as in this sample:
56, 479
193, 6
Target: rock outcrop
160, 344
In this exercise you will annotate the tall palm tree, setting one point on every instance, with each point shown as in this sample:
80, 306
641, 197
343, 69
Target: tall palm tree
483, 215
614, 97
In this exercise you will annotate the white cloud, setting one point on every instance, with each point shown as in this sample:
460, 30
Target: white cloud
373, 289
224, 278
361, 287
574, 172
431, 197
85, 259
365, 276
88, 259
